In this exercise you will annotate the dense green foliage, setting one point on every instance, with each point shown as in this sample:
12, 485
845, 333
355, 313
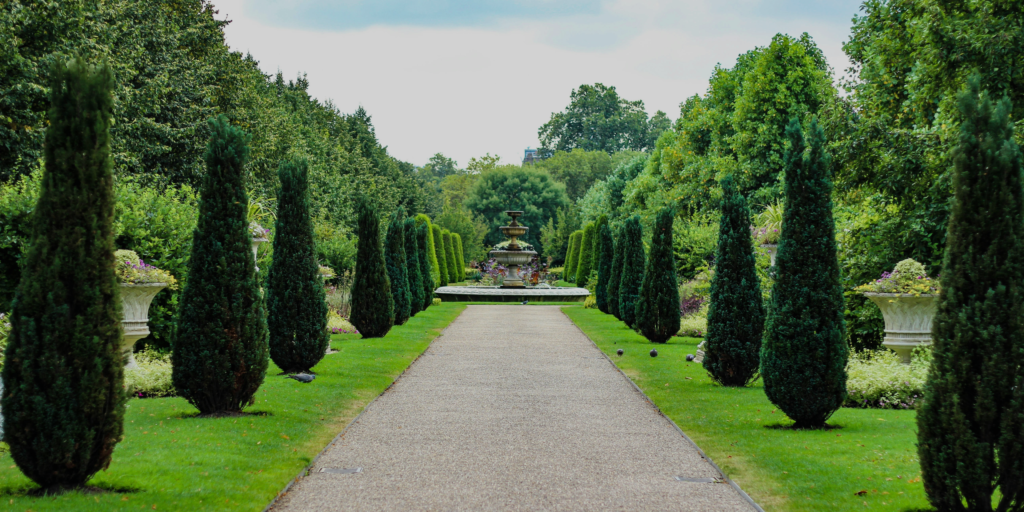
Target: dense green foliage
373, 308
604, 269
442, 254
449, 256
397, 264
507, 188
585, 261
296, 302
573, 255
803, 358
598, 119
414, 267
615, 275
220, 348
736, 313
579, 169
460, 221
657, 307
969, 427
63, 398
632, 274
422, 241
460, 262
554, 236
435, 266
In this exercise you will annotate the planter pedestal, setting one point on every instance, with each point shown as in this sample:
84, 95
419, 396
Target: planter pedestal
255, 247
908, 320
773, 250
135, 301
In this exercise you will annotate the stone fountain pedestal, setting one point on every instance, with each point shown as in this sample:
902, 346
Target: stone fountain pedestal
513, 256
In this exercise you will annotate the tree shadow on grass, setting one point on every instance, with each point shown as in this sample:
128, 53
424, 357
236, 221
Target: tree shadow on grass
32, 490
196, 415
792, 426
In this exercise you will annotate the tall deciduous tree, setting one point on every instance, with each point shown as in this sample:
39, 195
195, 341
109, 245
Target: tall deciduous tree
397, 264
586, 259
615, 276
736, 312
657, 307
633, 264
971, 422
442, 254
373, 307
598, 119
296, 302
422, 243
414, 266
63, 379
221, 350
803, 359
604, 271
512, 187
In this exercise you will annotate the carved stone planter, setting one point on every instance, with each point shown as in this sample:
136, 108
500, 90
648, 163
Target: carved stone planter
908, 320
135, 301
773, 250
255, 247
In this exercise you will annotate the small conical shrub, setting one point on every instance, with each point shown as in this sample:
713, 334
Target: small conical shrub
221, 349
435, 266
296, 302
736, 313
442, 253
373, 308
803, 358
423, 244
585, 264
633, 264
971, 422
64, 399
413, 264
657, 307
604, 270
615, 276
395, 260
460, 258
449, 256
572, 255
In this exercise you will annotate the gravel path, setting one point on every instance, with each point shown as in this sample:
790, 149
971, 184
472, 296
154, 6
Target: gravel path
511, 408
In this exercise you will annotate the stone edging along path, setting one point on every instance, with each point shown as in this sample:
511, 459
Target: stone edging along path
512, 408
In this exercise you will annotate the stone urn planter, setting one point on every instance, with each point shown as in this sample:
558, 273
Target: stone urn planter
255, 247
773, 250
135, 302
908, 320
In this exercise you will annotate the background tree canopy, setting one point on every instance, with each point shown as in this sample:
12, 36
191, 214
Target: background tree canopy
598, 119
512, 187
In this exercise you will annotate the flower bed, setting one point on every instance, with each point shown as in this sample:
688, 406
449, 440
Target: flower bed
152, 377
130, 269
880, 380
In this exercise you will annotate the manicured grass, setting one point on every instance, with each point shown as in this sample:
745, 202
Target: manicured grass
781, 469
171, 460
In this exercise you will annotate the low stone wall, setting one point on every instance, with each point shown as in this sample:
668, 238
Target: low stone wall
495, 294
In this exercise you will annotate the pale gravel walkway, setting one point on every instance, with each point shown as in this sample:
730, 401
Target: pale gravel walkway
512, 408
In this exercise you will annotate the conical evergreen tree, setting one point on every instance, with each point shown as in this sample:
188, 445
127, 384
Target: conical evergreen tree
633, 264
605, 268
596, 248
413, 263
373, 307
449, 256
221, 349
572, 255
423, 244
64, 398
657, 307
615, 276
442, 253
435, 267
585, 264
803, 358
971, 423
460, 257
736, 313
296, 302
397, 264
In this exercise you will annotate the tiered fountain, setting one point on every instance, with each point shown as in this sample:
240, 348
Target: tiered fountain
513, 256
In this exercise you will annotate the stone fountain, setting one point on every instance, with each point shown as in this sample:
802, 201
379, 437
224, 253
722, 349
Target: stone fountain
513, 256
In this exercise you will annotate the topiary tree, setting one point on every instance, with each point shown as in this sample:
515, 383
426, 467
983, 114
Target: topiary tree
657, 307
422, 243
585, 264
296, 302
633, 263
396, 262
435, 272
803, 359
736, 313
460, 261
572, 256
971, 421
615, 276
221, 350
442, 252
449, 256
373, 308
596, 248
64, 397
413, 264
604, 270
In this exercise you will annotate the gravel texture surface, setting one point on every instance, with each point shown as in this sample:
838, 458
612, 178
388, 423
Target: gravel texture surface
511, 408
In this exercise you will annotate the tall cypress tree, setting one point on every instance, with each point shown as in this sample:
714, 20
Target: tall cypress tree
63, 379
423, 244
572, 255
435, 267
296, 302
460, 257
803, 359
221, 350
632, 275
596, 249
373, 308
442, 252
736, 312
396, 262
605, 267
413, 263
657, 307
449, 256
615, 276
971, 423
585, 264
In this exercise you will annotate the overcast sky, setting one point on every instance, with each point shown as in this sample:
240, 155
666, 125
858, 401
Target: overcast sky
469, 77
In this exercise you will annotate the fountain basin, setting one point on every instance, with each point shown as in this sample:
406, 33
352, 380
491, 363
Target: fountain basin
508, 258
499, 294
511, 231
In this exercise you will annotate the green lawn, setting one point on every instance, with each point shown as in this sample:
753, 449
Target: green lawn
170, 460
871, 462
